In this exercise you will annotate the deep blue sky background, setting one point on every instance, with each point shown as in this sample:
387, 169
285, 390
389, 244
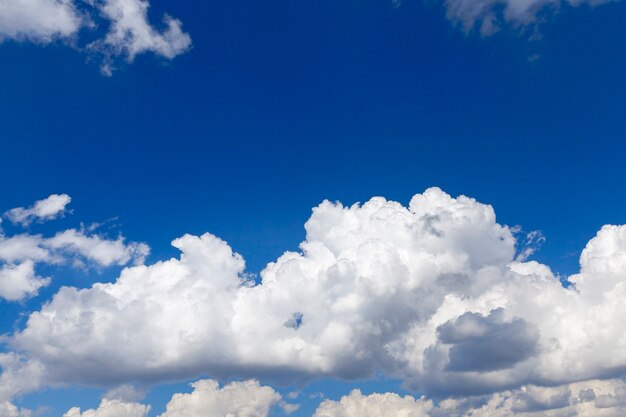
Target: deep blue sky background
282, 104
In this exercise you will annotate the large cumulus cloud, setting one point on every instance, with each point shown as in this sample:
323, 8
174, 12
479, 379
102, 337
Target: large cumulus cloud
237, 399
412, 292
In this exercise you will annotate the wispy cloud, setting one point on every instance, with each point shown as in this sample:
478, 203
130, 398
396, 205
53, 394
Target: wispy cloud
129, 31
489, 16
21, 252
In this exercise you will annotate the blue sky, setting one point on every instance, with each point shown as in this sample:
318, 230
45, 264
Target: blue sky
277, 106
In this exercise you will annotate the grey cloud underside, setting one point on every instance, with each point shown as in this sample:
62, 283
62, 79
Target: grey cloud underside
489, 343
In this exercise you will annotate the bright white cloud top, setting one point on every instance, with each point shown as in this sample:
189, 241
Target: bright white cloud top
111, 408
591, 398
237, 399
129, 31
46, 209
433, 294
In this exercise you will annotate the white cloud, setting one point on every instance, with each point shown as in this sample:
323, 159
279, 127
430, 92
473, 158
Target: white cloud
488, 16
125, 392
10, 410
432, 294
375, 405
367, 275
595, 398
104, 252
38, 20
71, 244
111, 408
46, 209
20, 281
129, 32
237, 399
19, 254
19, 376
19, 248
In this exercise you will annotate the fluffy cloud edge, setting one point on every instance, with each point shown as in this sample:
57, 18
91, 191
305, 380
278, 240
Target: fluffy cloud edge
129, 31
238, 399
49, 208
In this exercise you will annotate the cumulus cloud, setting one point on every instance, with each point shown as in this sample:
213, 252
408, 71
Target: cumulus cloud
583, 399
20, 281
433, 293
46, 209
38, 20
366, 278
580, 399
375, 405
10, 410
111, 408
20, 253
237, 399
129, 32
595, 398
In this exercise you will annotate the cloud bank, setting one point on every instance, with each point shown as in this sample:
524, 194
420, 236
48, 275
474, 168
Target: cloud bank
434, 293
590, 398
128, 31
237, 399
250, 399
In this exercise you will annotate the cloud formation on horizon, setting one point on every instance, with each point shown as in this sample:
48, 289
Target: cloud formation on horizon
250, 399
435, 294
237, 399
